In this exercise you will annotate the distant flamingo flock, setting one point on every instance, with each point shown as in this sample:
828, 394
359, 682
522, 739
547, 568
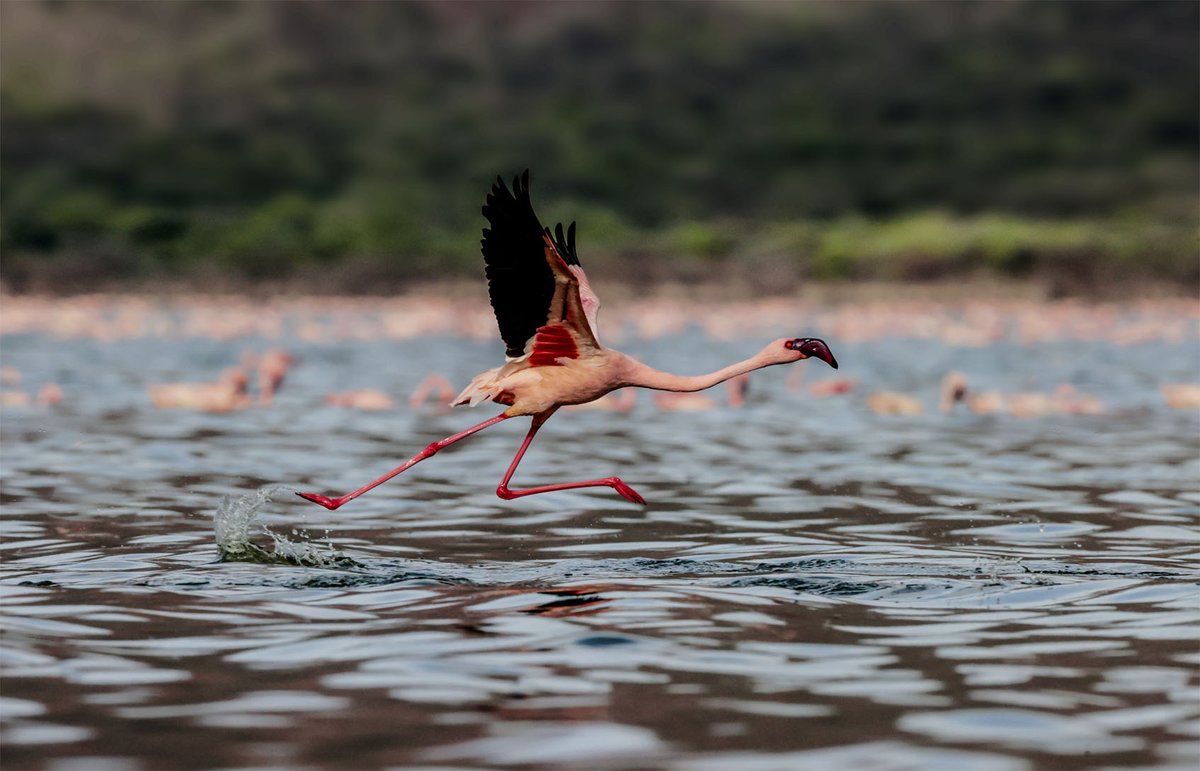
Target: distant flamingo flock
249, 383
252, 384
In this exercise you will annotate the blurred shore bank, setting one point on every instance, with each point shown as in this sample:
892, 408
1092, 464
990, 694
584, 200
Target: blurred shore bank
720, 288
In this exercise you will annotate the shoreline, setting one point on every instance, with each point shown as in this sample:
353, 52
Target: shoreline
959, 314
971, 289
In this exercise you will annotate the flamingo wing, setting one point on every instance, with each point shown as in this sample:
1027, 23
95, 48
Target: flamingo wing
543, 304
582, 304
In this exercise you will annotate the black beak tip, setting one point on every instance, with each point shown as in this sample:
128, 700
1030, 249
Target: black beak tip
817, 349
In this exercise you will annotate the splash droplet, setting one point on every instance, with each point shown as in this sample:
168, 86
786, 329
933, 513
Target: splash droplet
232, 525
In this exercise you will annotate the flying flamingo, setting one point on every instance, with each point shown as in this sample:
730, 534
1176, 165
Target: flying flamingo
546, 312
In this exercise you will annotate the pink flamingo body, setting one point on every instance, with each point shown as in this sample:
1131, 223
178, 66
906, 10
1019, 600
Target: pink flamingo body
546, 312
621, 400
836, 387
226, 394
892, 403
368, 399
1182, 396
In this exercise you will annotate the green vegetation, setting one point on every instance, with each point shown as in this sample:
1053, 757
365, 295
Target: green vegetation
354, 141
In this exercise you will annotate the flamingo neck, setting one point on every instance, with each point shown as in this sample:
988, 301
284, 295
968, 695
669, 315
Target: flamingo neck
647, 377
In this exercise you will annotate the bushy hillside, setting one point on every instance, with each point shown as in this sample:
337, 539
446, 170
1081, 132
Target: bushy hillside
354, 141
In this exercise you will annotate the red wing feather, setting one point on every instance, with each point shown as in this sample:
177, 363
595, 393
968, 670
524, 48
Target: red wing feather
534, 280
551, 343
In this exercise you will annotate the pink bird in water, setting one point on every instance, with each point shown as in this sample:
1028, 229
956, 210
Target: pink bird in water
547, 317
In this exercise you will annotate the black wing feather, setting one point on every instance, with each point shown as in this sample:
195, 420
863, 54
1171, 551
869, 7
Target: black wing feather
565, 246
520, 282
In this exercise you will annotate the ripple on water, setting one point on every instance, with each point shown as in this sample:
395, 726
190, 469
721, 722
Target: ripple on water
808, 588
1019, 729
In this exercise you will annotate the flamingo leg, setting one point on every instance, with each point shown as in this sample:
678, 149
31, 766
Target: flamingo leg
626, 492
333, 503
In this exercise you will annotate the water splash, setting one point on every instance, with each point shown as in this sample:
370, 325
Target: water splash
234, 526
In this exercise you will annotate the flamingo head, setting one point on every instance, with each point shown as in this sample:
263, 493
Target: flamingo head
954, 390
798, 348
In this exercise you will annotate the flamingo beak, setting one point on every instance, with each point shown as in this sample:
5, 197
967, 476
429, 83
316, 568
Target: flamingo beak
817, 349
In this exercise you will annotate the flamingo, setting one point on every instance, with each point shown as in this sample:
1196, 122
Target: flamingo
955, 391
1182, 396
892, 403
226, 394
361, 399
822, 388
272, 368
834, 387
1065, 400
433, 382
546, 312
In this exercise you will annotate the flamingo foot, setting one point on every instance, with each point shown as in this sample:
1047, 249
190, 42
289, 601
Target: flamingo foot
321, 500
626, 492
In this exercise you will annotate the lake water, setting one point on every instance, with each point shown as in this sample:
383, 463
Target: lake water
810, 585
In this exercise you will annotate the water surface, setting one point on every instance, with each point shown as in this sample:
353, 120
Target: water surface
811, 585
